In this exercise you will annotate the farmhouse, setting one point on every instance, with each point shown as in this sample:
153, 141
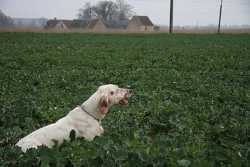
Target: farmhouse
140, 23
137, 23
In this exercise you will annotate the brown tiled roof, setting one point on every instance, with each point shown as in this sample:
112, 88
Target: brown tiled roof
68, 23
53, 23
79, 23
121, 24
144, 20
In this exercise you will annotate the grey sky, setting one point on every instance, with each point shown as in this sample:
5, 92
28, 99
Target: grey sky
186, 12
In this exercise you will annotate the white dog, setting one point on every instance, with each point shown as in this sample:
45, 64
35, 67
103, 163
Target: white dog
84, 120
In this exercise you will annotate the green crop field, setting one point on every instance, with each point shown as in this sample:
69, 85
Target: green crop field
191, 103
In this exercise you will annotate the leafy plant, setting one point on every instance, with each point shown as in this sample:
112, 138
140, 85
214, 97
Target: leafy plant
190, 108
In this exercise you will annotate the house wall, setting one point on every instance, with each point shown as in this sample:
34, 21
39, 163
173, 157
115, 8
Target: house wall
133, 25
147, 28
99, 26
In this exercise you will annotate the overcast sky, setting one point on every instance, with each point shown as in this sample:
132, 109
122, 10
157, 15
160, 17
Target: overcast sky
186, 12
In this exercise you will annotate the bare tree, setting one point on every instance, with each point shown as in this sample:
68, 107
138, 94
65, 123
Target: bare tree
124, 10
85, 13
107, 10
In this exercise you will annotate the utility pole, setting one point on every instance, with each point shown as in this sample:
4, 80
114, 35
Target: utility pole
220, 16
171, 16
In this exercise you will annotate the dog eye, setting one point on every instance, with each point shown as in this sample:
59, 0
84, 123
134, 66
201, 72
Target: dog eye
111, 92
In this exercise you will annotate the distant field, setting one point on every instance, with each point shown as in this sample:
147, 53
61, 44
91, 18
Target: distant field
163, 29
191, 105
206, 30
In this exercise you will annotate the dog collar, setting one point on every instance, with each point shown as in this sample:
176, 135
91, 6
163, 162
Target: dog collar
89, 114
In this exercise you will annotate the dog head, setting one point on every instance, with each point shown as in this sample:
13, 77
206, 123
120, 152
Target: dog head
111, 95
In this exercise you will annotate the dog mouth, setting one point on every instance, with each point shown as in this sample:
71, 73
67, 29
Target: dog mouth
124, 101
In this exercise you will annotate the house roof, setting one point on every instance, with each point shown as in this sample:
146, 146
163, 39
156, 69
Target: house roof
53, 23
68, 23
117, 24
144, 20
79, 23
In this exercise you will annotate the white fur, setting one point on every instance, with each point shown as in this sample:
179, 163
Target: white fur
84, 125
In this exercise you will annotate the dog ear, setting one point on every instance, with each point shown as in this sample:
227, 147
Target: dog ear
104, 104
